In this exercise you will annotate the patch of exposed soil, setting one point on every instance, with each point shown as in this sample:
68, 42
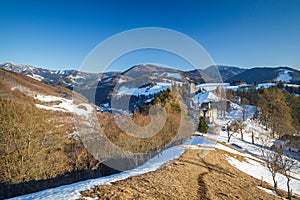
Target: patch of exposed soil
188, 177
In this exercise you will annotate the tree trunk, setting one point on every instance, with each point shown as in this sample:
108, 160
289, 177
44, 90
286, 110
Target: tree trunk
275, 183
242, 135
288, 188
273, 130
228, 136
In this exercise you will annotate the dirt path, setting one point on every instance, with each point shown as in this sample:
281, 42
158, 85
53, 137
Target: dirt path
188, 177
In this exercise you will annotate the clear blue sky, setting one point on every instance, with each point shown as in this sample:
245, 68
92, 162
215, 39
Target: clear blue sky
60, 34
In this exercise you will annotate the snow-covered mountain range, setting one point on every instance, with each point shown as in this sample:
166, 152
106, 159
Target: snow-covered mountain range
148, 79
70, 78
266, 74
65, 78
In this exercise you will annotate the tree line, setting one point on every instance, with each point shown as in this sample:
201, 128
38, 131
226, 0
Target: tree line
277, 109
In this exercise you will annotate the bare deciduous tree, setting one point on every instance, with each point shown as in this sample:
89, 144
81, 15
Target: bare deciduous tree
239, 127
278, 162
286, 164
272, 159
229, 128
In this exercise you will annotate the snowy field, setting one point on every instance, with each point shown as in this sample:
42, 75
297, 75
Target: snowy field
205, 97
254, 163
211, 86
123, 90
284, 76
64, 105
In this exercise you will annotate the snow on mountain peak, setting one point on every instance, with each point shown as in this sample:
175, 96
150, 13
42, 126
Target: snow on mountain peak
284, 76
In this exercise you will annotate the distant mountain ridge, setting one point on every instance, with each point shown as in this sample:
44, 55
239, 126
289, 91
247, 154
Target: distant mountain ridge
65, 78
217, 73
226, 71
267, 74
19, 86
71, 78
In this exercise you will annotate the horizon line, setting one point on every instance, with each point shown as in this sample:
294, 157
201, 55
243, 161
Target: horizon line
154, 64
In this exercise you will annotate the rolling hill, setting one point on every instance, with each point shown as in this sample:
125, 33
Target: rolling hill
265, 74
226, 72
98, 88
65, 78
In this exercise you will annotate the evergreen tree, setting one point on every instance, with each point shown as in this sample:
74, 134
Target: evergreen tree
202, 127
294, 104
275, 108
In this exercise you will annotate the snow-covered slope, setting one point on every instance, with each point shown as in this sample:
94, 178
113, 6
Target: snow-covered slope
64, 105
72, 191
147, 90
254, 163
267, 74
211, 86
256, 166
66, 78
205, 97
46, 96
284, 76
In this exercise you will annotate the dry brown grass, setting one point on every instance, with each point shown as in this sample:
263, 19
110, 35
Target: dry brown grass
33, 142
189, 177
170, 132
15, 79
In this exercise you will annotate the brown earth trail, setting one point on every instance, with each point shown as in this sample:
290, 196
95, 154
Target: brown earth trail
188, 177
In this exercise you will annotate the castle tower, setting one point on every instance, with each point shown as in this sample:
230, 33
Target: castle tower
192, 88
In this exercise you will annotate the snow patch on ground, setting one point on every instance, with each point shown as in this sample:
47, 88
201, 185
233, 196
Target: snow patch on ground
72, 191
76, 77
259, 171
205, 97
268, 191
45, 98
124, 90
36, 77
64, 105
199, 143
211, 86
265, 85
173, 75
253, 155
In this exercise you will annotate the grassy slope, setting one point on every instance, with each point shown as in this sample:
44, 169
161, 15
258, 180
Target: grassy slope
188, 177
